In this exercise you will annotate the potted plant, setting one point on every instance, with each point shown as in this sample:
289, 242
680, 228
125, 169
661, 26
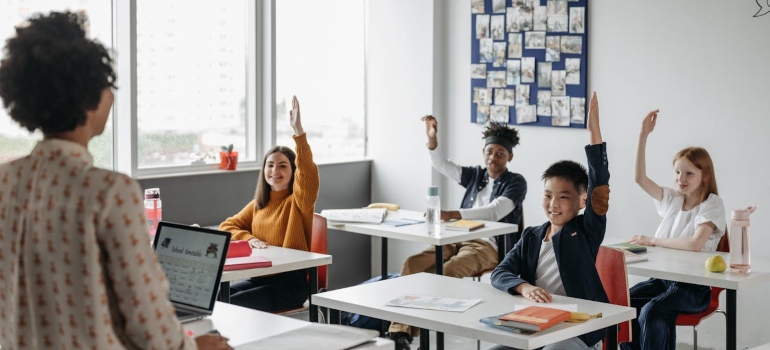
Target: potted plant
228, 159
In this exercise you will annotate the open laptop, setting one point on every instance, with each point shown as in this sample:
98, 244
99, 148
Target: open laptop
192, 258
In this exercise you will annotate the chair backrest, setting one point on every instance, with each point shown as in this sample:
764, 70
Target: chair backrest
319, 243
611, 265
724, 243
514, 237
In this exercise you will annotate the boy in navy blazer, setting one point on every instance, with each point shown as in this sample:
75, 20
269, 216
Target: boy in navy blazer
559, 257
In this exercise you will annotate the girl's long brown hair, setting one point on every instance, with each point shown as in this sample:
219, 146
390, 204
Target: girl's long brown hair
262, 195
701, 159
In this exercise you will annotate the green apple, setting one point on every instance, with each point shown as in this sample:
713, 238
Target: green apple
716, 264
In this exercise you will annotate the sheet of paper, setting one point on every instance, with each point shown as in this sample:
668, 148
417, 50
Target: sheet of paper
375, 215
314, 336
433, 303
566, 307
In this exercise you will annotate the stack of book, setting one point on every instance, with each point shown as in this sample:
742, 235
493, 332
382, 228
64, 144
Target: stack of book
631, 251
529, 319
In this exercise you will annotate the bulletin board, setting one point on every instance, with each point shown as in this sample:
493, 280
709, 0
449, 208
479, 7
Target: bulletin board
529, 62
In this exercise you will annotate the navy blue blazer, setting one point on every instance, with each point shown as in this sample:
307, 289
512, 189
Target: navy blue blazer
508, 184
575, 245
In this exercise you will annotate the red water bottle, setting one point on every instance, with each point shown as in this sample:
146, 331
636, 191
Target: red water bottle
152, 208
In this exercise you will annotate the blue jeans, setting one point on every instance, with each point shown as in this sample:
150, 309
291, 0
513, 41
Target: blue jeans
283, 291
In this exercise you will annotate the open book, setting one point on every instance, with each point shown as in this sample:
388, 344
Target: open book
636, 248
365, 215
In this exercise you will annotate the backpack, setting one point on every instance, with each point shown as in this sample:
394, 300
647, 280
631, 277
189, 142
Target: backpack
362, 321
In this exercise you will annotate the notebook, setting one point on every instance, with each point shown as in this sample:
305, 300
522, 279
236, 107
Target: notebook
464, 225
192, 259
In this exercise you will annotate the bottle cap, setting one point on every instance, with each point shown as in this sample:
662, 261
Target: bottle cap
433, 191
152, 193
742, 214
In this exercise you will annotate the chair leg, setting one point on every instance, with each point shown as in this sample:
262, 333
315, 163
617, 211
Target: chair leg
694, 337
478, 344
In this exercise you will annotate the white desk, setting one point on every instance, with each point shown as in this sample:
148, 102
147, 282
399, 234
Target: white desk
284, 260
243, 326
418, 233
369, 299
689, 267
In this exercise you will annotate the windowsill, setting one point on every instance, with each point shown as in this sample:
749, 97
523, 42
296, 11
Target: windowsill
245, 167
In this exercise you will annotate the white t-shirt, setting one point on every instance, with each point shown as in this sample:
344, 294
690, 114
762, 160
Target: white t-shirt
678, 223
547, 273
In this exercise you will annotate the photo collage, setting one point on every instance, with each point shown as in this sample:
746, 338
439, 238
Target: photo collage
528, 62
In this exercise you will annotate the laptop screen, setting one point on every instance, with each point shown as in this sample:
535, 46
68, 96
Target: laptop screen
192, 258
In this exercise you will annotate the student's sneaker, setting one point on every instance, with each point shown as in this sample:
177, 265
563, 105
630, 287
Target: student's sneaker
402, 340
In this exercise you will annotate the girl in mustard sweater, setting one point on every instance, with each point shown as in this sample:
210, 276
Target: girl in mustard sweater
281, 214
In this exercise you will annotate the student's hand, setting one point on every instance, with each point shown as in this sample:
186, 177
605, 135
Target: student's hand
294, 118
447, 215
256, 243
642, 240
212, 342
535, 293
593, 121
648, 124
431, 130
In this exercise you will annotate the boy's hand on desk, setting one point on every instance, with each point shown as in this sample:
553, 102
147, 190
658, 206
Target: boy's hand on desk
212, 342
256, 243
534, 293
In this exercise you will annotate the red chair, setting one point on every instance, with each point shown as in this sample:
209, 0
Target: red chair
611, 265
318, 244
694, 319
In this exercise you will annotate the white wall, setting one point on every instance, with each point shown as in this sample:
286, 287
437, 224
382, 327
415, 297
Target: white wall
702, 62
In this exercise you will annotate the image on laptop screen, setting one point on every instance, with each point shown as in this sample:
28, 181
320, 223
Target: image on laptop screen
192, 259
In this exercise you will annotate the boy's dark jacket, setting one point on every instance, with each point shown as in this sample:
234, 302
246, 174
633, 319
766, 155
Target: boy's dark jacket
575, 246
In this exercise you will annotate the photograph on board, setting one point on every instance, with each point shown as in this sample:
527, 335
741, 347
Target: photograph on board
552, 48
498, 27
486, 54
522, 95
499, 114
578, 110
572, 67
482, 114
571, 44
540, 18
478, 71
577, 20
513, 72
528, 70
514, 45
496, 79
498, 49
505, 97
544, 75
558, 86
534, 40
525, 114
482, 27
544, 103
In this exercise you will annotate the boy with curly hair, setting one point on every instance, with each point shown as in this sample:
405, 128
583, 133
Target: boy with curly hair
492, 193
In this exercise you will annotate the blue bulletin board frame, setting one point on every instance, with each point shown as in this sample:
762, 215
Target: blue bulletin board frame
573, 91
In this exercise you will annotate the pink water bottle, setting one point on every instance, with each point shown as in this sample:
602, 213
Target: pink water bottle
153, 209
740, 236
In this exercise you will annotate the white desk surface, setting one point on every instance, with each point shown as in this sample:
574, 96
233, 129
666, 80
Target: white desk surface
418, 233
284, 259
689, 267
242, 326
369, 299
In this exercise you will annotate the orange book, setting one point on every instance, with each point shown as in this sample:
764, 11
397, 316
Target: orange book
534, 318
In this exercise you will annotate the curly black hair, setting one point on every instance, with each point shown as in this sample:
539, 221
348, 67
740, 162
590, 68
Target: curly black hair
571, 171
502, 131
51, 74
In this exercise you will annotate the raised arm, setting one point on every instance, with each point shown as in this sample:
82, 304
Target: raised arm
431, 130
594, 128
640, 171
306, 178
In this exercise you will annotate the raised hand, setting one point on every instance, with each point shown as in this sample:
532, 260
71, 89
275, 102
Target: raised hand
648, 124
431, 129
294, 117
593, 121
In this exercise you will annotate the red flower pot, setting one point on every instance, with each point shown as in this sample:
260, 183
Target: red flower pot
228, 161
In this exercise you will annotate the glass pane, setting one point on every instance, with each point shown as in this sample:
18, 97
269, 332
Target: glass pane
191, 80
16, 141
320, 58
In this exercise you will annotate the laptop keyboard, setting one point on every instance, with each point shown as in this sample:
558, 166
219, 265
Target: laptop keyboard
181, 313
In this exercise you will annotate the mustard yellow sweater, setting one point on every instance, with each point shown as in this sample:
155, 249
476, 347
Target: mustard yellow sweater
287, 220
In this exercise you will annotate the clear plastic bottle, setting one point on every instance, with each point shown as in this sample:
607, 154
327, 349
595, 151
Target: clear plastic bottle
740, 236
433, 212
153, 209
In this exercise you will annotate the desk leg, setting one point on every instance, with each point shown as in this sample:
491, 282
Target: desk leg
732, 318
439, 260
334, 316
384, 259
424, 339
384, 275
224, 292
612, 338
313, 289
439, 271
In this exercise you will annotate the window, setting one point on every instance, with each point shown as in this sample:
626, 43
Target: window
16, 141
191, 68
320, 58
